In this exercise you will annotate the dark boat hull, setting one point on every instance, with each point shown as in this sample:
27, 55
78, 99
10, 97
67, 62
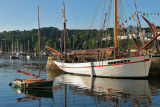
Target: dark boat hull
45, 84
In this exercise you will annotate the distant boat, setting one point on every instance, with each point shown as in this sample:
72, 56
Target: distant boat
134, 65
28, 56
15, 55
35, 82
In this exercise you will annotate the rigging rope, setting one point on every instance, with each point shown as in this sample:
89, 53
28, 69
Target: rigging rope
102, 23
95, 14
86, 36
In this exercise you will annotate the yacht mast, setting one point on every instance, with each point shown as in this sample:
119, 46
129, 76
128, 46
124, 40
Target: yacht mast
12, 47
115, 29
28, 47
39, 38
141, 33
64, 29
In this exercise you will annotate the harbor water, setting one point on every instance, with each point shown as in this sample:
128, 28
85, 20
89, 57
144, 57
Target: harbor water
73, 90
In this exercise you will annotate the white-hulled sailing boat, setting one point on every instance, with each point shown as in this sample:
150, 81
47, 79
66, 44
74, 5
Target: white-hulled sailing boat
35, 82
123, 67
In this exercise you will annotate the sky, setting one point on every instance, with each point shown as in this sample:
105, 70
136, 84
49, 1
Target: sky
80, 14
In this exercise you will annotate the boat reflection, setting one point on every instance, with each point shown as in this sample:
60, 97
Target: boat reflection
114, 91
31, 95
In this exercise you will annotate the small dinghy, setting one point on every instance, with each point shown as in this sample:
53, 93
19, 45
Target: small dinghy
35, 82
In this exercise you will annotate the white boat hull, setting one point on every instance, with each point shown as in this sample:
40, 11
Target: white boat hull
127, 67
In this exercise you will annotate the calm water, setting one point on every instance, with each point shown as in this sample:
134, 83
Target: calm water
73, 91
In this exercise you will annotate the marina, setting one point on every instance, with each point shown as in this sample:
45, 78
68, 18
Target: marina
94, 53
73, 90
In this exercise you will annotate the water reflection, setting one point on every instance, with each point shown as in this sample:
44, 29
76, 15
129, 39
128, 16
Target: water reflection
71, 90
116, 91
113, 91
30, 95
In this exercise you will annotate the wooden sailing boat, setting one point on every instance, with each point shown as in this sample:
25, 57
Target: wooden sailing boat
135, 66
35, 82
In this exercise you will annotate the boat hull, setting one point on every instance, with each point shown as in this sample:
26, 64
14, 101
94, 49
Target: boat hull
124, 68
47, 84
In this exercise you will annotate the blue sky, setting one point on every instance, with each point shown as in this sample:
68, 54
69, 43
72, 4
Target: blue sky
22, 14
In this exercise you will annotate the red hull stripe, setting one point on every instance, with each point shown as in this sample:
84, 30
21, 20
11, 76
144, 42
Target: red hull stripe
107, 65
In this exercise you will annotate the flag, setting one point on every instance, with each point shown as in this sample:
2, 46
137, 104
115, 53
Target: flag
120, 26
132, 16
123, 25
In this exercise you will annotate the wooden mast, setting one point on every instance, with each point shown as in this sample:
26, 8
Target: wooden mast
64, 29
142, 38
39, 39
115, 29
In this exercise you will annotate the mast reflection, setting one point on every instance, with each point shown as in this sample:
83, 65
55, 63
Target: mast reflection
114, 91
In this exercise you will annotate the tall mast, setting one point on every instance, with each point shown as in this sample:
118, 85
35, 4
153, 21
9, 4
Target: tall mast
17, 47
12, 46
39, 39
141, 33
28, 46
64, 29
115, 29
